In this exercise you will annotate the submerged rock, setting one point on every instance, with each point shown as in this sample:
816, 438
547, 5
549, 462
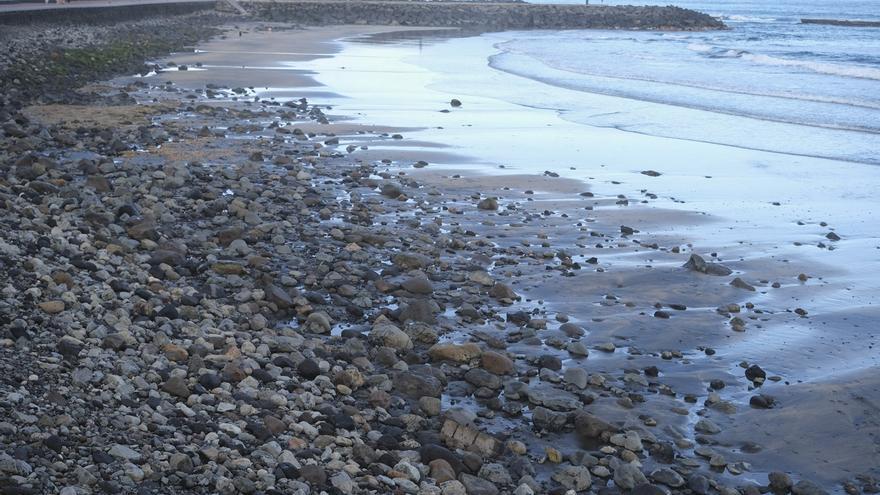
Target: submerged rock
698, 264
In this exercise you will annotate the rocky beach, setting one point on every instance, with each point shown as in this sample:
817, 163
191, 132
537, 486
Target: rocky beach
210, 291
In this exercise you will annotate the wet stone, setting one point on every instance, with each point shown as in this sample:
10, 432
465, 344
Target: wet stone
699, 484
573, 477
477, 486
482, 378
496, 363
628, 476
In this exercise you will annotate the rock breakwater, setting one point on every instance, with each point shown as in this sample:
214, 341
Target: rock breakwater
481, 15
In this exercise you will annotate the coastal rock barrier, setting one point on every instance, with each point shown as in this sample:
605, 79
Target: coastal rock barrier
842, 22
482, 15
101, 14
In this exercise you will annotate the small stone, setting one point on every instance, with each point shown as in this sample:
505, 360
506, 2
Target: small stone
577, 377
578, 348
806, 487
591, 426
177, 386
387, 334
228, 268
441, 470
572, 330
706, 426
667, 477
418, 285
69, 347
575, 478
477, 486
762, 401
430, 406
318, 322
52, 307
308, 369
134, 472
180, 462
453, 487
717, 461
699, 484
314, 474
175, 353
124, 452
698, 264
649, 489
482, 378
343, 482
496, 473
627, 476
780, 483
553, 455
755, 374
503, 292
606, 347
488, 204
517, 447
524, 489
742, 284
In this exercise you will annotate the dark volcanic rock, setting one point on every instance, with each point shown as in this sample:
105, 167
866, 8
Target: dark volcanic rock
698, 264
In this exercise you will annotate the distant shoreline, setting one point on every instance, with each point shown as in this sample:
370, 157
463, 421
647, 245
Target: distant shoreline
841, 22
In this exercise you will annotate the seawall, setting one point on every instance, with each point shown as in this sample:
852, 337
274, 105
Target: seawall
76, 14
486, 16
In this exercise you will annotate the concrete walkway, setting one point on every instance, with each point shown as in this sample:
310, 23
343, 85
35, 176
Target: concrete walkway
86, 4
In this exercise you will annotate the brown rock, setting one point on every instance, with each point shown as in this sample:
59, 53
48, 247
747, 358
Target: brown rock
143, 230
351, 378
177, 386
418, 285
497, 363
488, 204
226, 236
503, 292
441, 470
175, 353
411, 261
590, 426
228, 268
464, 437
274, 425
62, 278
52, 307
99, 183
460, 353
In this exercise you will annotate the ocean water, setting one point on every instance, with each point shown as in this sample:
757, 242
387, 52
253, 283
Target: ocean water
768, 83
